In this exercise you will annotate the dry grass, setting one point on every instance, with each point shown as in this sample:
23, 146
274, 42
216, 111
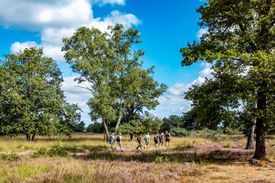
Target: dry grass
71, 170
87, 158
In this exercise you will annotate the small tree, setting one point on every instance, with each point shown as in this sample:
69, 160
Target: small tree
70, 117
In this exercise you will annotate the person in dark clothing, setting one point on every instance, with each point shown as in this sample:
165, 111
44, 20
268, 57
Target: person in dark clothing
118, 140
167, 138
156, 140
139, 147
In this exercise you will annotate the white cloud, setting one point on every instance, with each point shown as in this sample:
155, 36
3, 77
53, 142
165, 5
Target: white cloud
104, 2
56, 20
17, 46
173, 101
36, 15
77, 95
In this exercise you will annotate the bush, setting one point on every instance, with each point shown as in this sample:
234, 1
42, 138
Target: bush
9, 157
180, 132
57, 150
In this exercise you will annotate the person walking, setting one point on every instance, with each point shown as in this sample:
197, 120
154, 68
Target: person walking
161, 139
156, 140
167, 138
112, 140
147, 140
139, 147
118, 140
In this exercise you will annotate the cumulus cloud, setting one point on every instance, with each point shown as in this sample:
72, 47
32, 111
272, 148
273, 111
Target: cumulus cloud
57, 19
17, 46
104, 2
36, 15
173, 101
77, 95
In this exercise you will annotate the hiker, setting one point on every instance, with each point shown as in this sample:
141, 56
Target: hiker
156, 139
139, 147
131, 136
167, 138
118, 140
147, 140
161, 139
112, 140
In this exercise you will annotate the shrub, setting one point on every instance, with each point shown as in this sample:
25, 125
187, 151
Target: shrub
179, 132
40, 152
57, 150
161, 159
227, 145
9, 157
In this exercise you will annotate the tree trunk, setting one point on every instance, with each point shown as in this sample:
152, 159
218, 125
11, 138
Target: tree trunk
260, 153
118, 123
260, 141
250, 138
27, 137
106, 129
33, 136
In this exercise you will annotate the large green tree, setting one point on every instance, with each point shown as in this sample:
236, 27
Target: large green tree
240, 42
31, 95
110, 65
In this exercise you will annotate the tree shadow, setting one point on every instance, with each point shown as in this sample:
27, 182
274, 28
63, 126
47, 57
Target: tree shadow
212, 156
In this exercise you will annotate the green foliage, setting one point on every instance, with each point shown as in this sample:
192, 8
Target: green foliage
227, 145
9, 157
80, 127
31, 99
70, 118
172, 121
240, 45
161, 159
31, 96
57, 150
109, 63
147, 123
180, 132
95, 127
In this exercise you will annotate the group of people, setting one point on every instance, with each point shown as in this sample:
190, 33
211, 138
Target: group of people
159, 139
112, 140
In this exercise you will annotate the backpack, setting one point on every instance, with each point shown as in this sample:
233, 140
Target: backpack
156, 138
118, 138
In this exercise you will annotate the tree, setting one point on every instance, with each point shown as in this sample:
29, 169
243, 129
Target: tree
111, 67
173, 121
145, 124
190, 121
31, 94
70, 117
95, 128
213, 103
240, 42
80, 127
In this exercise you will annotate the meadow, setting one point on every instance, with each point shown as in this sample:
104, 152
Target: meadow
88, 158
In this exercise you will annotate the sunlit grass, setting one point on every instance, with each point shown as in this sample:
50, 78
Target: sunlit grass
88, 158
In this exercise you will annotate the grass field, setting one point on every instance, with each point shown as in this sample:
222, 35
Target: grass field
88, 158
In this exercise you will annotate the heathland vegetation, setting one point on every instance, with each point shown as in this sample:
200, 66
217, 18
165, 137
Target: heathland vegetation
214, 141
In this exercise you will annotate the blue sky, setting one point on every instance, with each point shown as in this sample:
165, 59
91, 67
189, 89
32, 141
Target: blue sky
165, 26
